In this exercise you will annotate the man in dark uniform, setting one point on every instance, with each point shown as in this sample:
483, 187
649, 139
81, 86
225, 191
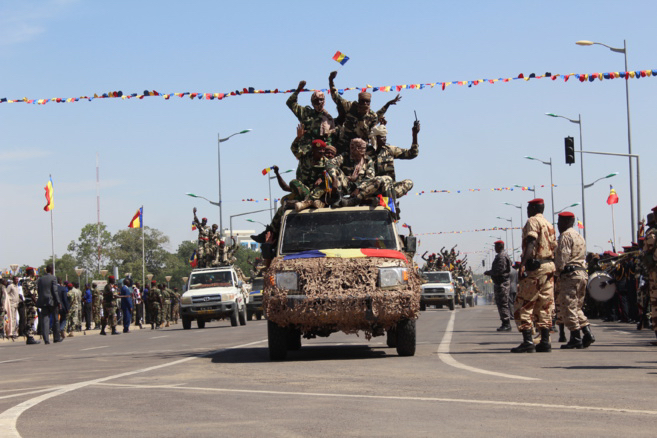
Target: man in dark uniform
109, 306
499, 273
48, 302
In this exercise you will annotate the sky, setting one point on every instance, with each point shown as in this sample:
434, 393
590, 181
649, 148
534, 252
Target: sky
152, 151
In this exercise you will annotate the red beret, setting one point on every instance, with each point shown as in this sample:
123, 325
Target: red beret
111, 277
153, 282
500, 242
204, 219
567, 214
627, 247
537, 201
319, 143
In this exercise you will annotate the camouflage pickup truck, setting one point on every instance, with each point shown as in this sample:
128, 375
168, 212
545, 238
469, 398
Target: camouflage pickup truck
342, 269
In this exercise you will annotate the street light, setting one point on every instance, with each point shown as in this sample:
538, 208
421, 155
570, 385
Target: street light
513, 242
202, 197
611, 175
167, 278
271, 212
242, 214
581, 161
519, 207
219, 141
547, 163
256, 222
629, 130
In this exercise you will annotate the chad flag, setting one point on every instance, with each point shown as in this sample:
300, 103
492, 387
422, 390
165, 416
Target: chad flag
340, 57
137, 220
613, 197
50, 200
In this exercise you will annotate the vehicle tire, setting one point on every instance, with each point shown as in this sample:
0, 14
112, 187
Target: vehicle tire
451, 305
242, 315
423, 307
234, 317
200, 323
277, 340
249, 315
293, 340
406, 337
391, 338
258, 316
186, 323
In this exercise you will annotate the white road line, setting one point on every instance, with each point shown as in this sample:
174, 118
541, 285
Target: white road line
28, 393
443, 354
158, 337
94, 348
392, 397
9, 418
15, 360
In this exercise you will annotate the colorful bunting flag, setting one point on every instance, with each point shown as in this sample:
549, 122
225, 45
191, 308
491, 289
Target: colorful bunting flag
137, 221
613, 197
50, 200
340, 57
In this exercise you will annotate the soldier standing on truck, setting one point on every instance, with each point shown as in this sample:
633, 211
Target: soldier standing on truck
317, 123
203, 238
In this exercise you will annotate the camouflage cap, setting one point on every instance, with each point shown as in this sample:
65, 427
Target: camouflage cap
364, 96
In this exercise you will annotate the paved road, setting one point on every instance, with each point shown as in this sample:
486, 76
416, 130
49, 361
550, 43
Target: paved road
219, 381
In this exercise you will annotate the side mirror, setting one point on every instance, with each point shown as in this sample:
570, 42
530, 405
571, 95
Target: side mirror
411, 244
240, 283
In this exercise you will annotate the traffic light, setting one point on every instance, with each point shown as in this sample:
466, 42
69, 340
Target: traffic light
570, 150
483, 263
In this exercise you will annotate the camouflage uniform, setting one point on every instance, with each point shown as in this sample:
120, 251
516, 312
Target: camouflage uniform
155, 304
109, 306
166, 306
308, 172
384, 165
74, 300
96, 303
30, 296
317, 125
342, 167
536, 291
203, 239
175, 306
650, 263
353, 125
570, 288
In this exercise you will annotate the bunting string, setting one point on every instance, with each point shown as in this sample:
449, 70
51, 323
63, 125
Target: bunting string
494, 189
470, 231
581, 77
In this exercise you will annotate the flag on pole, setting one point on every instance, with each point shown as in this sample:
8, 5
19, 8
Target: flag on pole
193, 260
580, 225
50, 200
137, 221
387, 202
340, 57
613, 197
266, 170
193, 226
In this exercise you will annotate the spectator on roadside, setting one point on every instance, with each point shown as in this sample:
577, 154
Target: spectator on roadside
12, 298
49, 303
63, 310
137, 301
86, 306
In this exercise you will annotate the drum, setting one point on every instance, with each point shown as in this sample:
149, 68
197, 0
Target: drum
599, 287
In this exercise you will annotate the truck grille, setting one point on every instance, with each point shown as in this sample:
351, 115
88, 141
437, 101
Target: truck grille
434, 290
206, 299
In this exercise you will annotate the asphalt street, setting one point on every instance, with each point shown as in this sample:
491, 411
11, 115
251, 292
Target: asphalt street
215, 381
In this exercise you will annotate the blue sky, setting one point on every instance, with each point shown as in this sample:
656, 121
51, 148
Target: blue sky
153, 151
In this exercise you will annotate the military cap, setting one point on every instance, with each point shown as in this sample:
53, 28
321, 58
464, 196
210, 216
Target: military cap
319, 143
567, 214
537, 201
654, 209
499, 242
153, 282
364, 96
204, 219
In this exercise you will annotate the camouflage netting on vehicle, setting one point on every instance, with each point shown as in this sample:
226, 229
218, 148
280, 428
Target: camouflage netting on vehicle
342, 295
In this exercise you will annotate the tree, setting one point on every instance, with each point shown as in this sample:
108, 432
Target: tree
64, 267
126, 252
245, 257
88, 246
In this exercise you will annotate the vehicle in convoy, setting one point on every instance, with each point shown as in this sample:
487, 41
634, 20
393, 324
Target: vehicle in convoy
467, 294
214, 293
341, 270
438, 290
254, 306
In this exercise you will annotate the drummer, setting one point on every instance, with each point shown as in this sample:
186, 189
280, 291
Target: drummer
571, 275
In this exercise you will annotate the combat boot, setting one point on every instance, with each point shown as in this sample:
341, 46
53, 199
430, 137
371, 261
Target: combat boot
31, 340
544, 346
527, 345
69, 334
588, 337
102, 330
167, 324
318, 204
114, 332
562, 333
260, 238
575, 341
505, 327
302, 205
351, 201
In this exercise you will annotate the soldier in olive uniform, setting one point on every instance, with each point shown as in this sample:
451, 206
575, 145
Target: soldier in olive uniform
75, 302
317, 123
96, 304
571, 279
30, 295
110, 294
649, 261
175, 311
309, 186
355, 118
536, 289
166, 305
155, 305
203, 238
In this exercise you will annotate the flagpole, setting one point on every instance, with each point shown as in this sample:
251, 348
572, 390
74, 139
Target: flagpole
613, 227
143, 253
52, 236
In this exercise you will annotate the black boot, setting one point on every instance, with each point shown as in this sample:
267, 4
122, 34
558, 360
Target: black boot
351, 201
588, 337
527, 345
544, 346
260, 238
505, 327
31, 340
102, 330
114, 332
562, 333
575, 341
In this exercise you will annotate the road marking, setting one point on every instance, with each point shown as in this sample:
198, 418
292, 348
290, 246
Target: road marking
9, 418
393, 397
443, 354
29, 392
94, 348
15, 360
158, 337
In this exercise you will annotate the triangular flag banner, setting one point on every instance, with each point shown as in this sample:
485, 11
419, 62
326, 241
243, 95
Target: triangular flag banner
613, 197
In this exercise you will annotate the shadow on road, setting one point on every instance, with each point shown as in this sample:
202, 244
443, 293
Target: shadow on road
306, 353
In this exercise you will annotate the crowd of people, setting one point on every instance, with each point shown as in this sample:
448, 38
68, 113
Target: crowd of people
40, 306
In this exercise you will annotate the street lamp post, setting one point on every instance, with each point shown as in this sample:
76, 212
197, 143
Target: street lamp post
513, 242
168, 279
571, 205
219, 141
581, 161
629, 130
242, 214
547, 163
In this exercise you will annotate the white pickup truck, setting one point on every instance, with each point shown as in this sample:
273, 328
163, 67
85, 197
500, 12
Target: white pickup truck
214, 293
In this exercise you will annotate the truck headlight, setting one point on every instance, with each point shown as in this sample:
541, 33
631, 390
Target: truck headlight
228, 297
287, 280
390, 277
186, 300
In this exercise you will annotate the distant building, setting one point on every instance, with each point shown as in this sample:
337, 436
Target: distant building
243, 237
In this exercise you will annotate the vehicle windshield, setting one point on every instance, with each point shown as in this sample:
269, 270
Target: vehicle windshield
258, 284
202, 280
344, 230
436, 277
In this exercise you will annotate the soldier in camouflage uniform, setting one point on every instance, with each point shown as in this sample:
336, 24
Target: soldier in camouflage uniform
166, 305
203, 239
109, 306
75, 302
155, 305
352, 173
96, 303
30, 295
355, 119
536, 288
310, 185
316, 122
571, 279
175, 306
384, 156
649, 261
